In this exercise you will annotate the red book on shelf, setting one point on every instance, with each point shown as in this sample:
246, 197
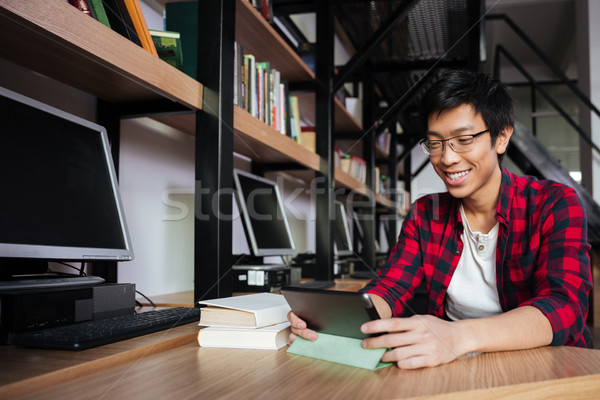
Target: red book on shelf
82, 5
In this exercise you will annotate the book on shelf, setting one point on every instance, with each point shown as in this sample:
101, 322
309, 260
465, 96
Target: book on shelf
270, 337
249, 311
82, 5
99, 12
309, 138
182, 17
266, 9
139, 24
354, 166
263, 69
120, 20
295, 127
168, 47
355, 107
384, 141
251, 88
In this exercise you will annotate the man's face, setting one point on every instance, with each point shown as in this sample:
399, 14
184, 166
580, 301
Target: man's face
472, 174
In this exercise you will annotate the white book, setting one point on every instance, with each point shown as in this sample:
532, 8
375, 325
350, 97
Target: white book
271, 337
249, 311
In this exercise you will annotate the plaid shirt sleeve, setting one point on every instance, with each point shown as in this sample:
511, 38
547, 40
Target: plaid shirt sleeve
562, 275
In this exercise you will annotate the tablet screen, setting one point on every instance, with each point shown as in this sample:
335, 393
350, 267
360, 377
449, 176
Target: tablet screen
329, 311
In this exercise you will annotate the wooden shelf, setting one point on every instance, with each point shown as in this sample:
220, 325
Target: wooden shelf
55, 39
262, 143
257, 37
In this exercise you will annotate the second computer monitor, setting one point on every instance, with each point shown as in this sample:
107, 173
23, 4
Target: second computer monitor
343, 240
263, 215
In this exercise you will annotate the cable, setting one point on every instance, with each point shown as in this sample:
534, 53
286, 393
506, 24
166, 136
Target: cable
146, 297
81, 271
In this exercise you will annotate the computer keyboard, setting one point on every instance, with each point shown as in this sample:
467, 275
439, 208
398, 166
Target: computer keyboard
89, 334
315, 284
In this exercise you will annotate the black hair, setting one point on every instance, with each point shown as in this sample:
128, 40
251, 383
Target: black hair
488, 96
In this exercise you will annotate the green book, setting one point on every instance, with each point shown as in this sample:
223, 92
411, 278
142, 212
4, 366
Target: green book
99, 12
182, 17
168, 46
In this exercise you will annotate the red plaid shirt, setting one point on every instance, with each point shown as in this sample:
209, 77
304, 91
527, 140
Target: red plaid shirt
541, 256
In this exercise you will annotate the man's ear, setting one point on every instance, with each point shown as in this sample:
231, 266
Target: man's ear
503, 139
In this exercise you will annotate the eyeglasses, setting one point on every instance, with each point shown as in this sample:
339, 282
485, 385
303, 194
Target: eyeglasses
459, 144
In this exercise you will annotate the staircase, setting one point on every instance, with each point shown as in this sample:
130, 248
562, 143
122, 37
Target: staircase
533, 159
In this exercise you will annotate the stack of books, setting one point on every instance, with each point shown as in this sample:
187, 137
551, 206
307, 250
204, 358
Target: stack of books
255, 321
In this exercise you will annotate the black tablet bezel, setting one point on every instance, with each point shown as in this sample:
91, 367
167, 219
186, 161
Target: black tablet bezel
330, 311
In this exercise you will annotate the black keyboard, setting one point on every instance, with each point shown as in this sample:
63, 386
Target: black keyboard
89, 334
315, 284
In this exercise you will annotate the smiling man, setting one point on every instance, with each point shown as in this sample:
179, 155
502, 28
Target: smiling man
504, 258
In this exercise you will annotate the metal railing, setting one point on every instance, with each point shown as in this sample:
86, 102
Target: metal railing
501, 50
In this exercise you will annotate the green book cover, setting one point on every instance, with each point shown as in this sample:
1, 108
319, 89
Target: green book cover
99, 11
182, 17
168, 46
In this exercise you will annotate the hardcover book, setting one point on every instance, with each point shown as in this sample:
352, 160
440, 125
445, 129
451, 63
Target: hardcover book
139, 24
99, 11
168, 47
250, 311
120, 20
271, 337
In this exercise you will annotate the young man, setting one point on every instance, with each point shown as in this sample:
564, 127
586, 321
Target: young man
504, 258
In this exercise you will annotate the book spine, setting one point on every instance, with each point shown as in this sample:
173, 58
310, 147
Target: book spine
82, 5
139, 24
235, 74
100, 12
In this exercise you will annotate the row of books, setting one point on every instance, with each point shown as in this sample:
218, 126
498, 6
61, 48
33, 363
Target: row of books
384, 141
255, 321
260, 90
357, 168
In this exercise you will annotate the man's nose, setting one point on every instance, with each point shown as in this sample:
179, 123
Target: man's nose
449, 156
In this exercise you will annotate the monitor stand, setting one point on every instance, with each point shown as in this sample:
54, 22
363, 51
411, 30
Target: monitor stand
26, 275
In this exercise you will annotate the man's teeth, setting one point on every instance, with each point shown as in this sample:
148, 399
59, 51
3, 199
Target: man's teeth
457, 175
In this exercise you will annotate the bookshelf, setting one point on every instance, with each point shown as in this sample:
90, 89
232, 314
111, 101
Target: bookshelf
257, 140
55, 39
46, 37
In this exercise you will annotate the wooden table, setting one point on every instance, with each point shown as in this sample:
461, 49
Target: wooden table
170, 364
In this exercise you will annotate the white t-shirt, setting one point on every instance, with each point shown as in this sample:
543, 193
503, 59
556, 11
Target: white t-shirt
472, 292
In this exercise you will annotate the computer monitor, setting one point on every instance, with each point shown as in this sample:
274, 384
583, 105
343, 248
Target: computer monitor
263, 215
359, 221
343, 240
60, 200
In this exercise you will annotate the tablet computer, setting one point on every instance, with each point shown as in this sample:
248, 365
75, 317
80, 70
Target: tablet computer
330, 311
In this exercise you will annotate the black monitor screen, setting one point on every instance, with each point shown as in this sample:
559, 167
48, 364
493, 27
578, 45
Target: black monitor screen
263, 214
60, 199
343, 240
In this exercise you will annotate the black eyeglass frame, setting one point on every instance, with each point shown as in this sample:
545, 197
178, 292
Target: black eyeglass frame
423, 141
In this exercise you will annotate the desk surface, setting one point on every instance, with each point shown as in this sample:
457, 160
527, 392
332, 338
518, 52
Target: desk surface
170, 364
188, 371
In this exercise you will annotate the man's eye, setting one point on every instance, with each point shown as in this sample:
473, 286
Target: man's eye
465, 140
434, 145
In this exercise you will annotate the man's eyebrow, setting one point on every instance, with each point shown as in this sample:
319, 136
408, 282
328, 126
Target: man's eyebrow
454, 132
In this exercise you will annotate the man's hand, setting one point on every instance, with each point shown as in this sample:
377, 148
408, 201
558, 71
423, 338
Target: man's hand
299, 329
416, 342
